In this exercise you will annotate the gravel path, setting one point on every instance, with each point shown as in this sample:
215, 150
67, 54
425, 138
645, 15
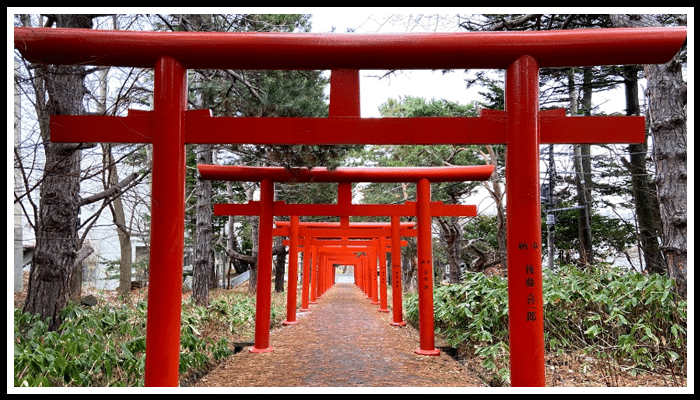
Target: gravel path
342, 342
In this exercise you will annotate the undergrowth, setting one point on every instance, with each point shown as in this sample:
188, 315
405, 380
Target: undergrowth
606, 312
105, 345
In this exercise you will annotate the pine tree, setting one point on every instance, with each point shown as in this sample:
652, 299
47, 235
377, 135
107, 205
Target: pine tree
667, 93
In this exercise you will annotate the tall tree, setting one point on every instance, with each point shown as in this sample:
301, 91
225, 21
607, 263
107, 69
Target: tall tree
644, 193
576, 89
203, 267
582, 166
59, 90
494, 187
667, 94
111, 179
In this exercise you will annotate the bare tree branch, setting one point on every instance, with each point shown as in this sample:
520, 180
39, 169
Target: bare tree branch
114, 190
82, 254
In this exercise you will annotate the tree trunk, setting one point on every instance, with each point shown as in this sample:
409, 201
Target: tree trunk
582, 189
119, 219
116, 207
452, 235
280, 261
645, 202
587, 176
409, 266
203, 252
496, 193
57, 239
235, 263
667, 94
203, 265
253, 280
409, 260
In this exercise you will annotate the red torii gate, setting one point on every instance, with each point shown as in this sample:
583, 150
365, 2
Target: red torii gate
311, 230
365, 274
354, 246
422, 208
522, 127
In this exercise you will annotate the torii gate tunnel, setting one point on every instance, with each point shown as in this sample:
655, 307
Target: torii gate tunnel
522, 127
311, 232
423, 209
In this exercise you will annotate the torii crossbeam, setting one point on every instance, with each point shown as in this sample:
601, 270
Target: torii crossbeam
169, 126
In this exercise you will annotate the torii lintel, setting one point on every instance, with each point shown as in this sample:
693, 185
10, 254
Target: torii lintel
489, 128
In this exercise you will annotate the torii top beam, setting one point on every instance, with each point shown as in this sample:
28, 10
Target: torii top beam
223, 50
347, 174
362, 225
349, 233
344, 176
337, 229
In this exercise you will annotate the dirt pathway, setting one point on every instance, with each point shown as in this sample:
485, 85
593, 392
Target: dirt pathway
342, 342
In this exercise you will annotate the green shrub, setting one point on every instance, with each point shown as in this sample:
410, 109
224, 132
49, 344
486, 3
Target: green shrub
603, 310
88, 349
627, 315
106, 345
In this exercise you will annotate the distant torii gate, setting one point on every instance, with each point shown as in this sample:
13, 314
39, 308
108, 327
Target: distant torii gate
365, 273
312, 230
422, 208
522, 127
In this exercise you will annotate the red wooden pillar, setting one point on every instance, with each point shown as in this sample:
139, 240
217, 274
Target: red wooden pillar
322, 269
425, 271
306, 268
330, 276
523, 221
396, 289
361, 273
331, 281
367, 276
383, 306
321, 275
292, 272
373, 271
262, 305
313, 277
328, 273
355, 275
345, 93
167, 225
